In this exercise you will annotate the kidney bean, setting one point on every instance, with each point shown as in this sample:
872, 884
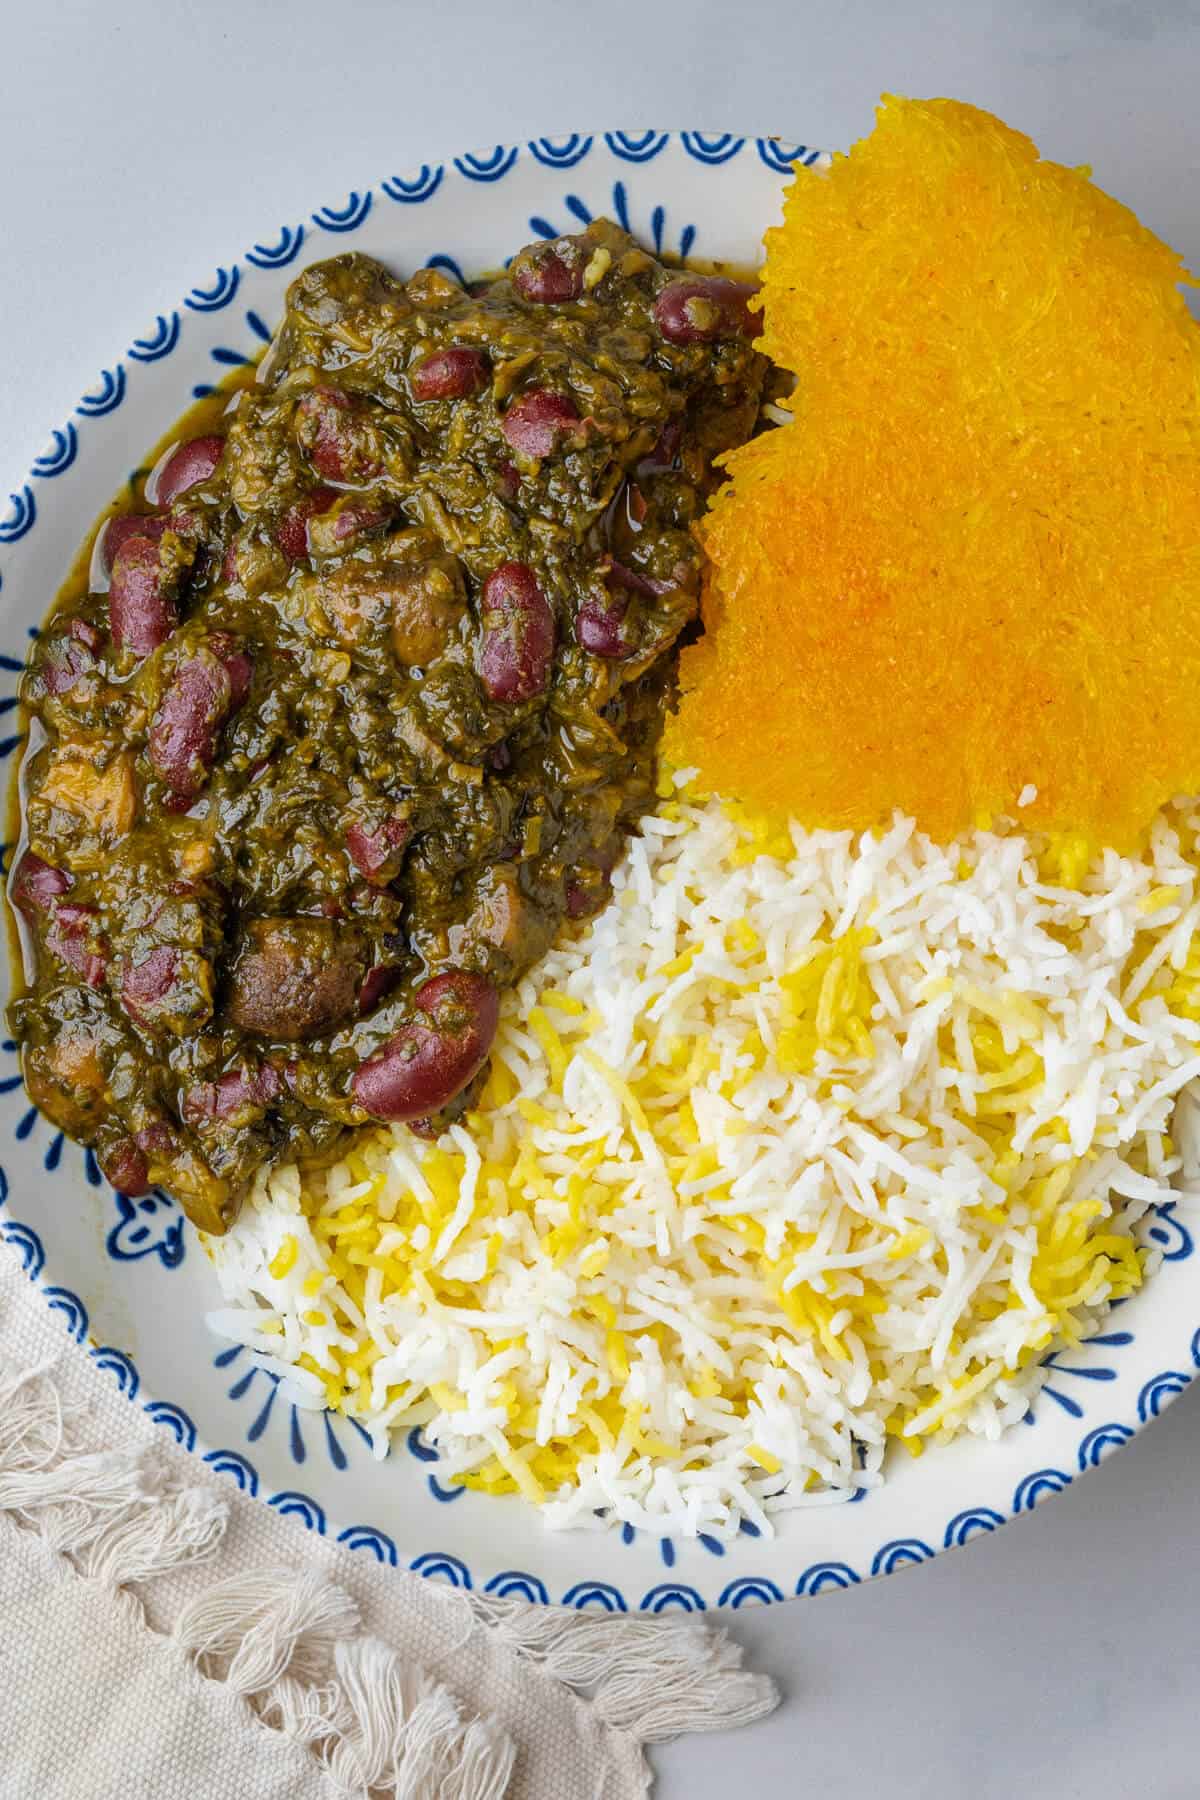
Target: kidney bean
332, 432
547, 274
183, 736
37, 884
583, 901
601, 627
141, 612
701, 309
74, 936
295, 978
125, 1167
434, 1056
65, 662
144, 984
449, 374
188, 464
535, 424
518, 634
237, 1091
378, 853
117, 533
291, 534
508, 480
499, 758
237, 665
665, 454
86, 634
376, 983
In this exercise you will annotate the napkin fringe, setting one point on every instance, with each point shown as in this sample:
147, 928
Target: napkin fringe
652, 1677
290, 1644
101, 1509
288, 1641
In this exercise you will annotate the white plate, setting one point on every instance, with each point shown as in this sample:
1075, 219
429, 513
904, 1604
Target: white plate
128, 1277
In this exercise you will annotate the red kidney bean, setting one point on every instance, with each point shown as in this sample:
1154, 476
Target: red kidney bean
125, 1167
376, 983
86, 634
601, 628
329, 428
144, 984
583, 901
536, 422
236, 663
378, 854
73, 935
141, 612
157, 1139
499, 758
189, 463
433, 1057
544, 276
118, 531
183, 736
517, 647
508, 480
37, 884
291, 534
449, 374
67, 659
234, 1092
701, 309
665, 454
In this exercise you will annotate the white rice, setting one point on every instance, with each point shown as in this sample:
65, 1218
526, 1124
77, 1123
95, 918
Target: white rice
760, 1225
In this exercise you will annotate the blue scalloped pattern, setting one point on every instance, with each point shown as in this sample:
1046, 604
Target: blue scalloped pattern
347, 217
488, 165
561, 153
637, 146
20, 517
157, 343
417, 188
59, 455
163, 1238
278, 255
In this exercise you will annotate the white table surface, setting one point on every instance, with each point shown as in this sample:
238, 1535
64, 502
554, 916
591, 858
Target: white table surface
140, 139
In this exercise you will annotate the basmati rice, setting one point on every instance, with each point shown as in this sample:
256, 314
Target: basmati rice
806, 1145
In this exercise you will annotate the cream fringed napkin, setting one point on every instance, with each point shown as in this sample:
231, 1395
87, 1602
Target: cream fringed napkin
164, 1638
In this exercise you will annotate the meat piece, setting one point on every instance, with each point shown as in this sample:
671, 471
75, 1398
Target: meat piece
415, 606
294, 979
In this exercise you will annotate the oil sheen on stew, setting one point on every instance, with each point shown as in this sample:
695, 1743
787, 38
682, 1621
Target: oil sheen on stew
357, 701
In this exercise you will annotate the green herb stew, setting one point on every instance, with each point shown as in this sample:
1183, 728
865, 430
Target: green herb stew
358, 701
